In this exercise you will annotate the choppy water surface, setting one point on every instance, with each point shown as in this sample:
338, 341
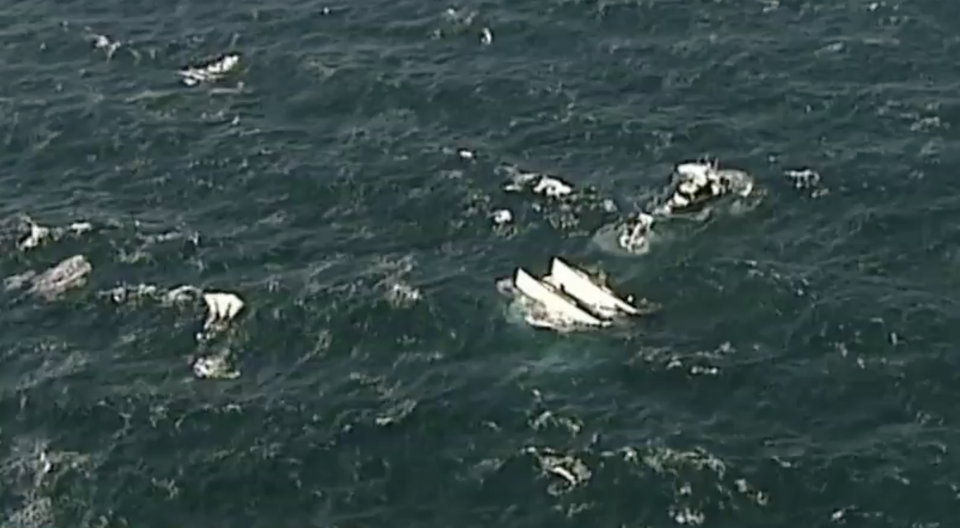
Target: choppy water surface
801, 370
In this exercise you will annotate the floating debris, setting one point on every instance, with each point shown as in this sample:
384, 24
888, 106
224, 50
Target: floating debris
486, 37
634, 236
69, 273
36, 234
561, 204
181, 294
570, 470
210, 72
536, 183
552, 187
566, 299
122, 294
806, 179
803, 178
459, 16
214, 367
501, 216
221, 308
401, 294
103, 42
34, 238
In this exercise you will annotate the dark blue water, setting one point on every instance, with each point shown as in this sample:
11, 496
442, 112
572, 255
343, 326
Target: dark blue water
801, 369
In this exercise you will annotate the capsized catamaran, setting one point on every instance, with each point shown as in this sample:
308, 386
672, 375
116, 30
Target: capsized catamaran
553, 301
577, 284
568, 296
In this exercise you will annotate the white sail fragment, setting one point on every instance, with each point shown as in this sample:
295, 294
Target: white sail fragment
552, 300
578, 285
221, 307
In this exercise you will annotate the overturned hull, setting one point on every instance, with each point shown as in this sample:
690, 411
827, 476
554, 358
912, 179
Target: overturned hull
552, 301
581, 287
565, 299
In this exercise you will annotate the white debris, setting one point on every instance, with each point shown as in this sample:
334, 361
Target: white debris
214, 367
552, 187
33, 239
221, 307
562, 472
518, 179
401, 294
502, 216
80, 227
213, 71
36, 234
807, 179
122, 294
572, 471
635, 233
181, 294
803, 178
103, 42
466, 154
537, 183
486, 37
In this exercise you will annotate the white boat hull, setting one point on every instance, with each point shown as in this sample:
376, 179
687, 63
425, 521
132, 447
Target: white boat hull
553, 301
581, 287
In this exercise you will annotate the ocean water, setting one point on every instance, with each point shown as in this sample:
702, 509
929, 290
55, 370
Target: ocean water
801, 370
